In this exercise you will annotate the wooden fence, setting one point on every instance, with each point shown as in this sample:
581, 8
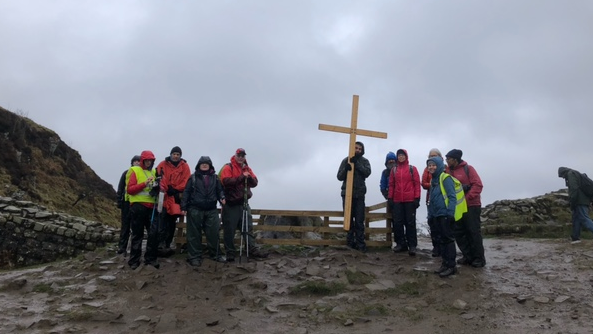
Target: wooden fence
332, 232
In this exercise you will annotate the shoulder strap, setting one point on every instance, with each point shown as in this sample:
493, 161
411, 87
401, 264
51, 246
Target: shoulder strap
466, 169
412, 172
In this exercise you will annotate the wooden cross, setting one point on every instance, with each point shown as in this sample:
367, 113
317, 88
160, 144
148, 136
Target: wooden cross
353, 131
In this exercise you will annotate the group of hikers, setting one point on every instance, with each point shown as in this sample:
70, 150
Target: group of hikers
153, 198
452, 198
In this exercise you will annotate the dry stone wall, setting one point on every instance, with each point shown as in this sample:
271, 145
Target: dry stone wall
30, 234
546, 214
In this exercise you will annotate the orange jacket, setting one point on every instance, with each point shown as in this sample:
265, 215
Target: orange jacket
176, 177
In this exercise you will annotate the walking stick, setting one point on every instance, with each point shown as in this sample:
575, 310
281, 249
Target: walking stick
244, 226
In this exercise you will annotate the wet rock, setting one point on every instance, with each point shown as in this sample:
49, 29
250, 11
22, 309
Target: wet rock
348, 322
272, 309
312, 270
459, 304
542, 299
561, 299
17, 284
142, 318
522, 299
167, 322
212, 322
141, 285
468, 316
108, 278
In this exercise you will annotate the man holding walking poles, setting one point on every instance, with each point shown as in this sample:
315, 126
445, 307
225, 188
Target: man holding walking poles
237, 180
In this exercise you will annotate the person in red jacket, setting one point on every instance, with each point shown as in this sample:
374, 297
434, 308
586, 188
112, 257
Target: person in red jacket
426, 178
174, 172
404, 192
237, 179
468, 234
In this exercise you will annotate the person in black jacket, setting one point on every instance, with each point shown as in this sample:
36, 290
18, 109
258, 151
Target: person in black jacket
362, 170
202, 191
579, 203
124, 204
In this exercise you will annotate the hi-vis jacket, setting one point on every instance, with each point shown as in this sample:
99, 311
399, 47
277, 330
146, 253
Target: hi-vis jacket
138, 187
446, 193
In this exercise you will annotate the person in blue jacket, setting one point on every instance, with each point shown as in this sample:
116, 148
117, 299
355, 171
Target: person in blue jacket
390, 160
441, 216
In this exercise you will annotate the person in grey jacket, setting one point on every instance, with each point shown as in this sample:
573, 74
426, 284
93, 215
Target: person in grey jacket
362, 170
579, 202
202, 192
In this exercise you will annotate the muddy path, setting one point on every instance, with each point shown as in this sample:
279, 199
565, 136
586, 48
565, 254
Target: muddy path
528, 286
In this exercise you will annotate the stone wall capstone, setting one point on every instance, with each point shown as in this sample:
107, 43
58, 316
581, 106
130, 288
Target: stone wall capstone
30, 234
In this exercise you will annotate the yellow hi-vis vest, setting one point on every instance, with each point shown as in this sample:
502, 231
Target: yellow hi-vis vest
461, 204
126, 195
141, 177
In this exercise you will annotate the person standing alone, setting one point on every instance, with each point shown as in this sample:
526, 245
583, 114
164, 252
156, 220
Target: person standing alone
579, 202
362, 170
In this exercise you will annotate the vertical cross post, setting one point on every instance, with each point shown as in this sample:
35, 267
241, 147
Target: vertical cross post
352, 131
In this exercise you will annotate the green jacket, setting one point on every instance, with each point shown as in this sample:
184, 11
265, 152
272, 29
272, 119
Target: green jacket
572, 177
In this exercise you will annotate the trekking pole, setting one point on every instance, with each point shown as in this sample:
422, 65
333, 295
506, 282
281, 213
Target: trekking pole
244, 227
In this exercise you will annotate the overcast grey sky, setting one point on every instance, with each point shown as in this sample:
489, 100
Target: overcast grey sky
508, 82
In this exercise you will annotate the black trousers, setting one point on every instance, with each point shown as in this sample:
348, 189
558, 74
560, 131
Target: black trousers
126, 220
142, 219
444, 230
468, 234
404, 224
356, 233
167, 228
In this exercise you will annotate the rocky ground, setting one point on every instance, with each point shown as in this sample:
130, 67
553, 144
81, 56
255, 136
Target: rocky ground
528, 286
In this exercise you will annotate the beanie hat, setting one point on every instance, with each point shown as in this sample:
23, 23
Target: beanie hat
135, 158
176, 149
455, 154
240, 151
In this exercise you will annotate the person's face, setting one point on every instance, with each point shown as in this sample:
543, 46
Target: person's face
175, 156
357, 149
240, 157
148, 163
451, 162
204, 167
401, 157
390, 162
431, 168
136, 163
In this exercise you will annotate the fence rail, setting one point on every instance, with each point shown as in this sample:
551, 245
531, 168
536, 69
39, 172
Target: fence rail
332, 231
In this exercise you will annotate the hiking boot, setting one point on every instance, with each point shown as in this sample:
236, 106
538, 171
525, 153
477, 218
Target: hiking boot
121, 251
155, 264
477, 263
194, 262
448, 272
165, 252
353, 246
230, 259
575, 241
399, 249
219, 258
412, 251
435, 252
363, 249
258, 253
441, 269
134, 266
464, 261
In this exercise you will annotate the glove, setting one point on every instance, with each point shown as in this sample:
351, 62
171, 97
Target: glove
177, 197
466, 187
171, 191
416, 203
348, 167
385, 193
354, 159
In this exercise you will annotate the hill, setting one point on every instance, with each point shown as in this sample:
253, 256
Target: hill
36, 165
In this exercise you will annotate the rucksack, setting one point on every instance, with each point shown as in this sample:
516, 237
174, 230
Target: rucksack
586, 185
227, 164
411, 171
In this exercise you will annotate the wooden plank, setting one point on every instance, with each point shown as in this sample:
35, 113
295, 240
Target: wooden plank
296, 213
378, 206
343, 129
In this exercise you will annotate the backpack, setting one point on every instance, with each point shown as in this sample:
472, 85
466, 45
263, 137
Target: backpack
227, 164
461, 204
586, 185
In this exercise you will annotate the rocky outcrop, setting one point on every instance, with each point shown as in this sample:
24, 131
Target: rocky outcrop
545, 214
30, 234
